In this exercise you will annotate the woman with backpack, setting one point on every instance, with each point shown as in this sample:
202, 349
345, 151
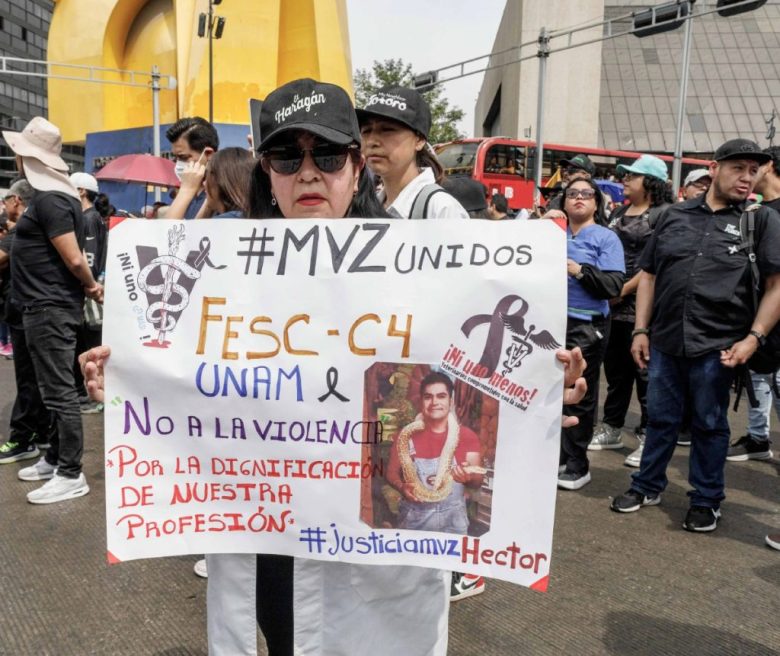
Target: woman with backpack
645, 187
394, 126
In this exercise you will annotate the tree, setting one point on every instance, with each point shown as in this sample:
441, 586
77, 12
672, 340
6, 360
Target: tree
395, 72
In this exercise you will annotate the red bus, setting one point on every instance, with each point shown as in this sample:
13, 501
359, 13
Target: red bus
507, 165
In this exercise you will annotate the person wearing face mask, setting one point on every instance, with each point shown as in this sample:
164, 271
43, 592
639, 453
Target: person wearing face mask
394, 127
193, 141
310, 166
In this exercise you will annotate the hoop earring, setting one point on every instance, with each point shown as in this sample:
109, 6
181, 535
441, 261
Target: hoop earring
273, 200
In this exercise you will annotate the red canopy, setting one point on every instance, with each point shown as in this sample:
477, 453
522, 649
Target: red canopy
146, 168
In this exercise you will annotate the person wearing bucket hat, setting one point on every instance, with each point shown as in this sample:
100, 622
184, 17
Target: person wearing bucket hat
49, 278
394, 126
648, 194
696, 322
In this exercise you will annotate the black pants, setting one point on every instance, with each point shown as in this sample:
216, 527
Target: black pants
622, 373
28, 416
275, 602
592, 338
51, 339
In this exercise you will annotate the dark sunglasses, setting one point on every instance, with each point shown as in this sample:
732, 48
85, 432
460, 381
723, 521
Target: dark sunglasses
585, 194
328, 158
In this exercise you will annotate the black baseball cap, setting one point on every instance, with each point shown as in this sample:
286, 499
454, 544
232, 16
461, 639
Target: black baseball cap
468, 192
580, 162
400, 104
317, 107
741, 149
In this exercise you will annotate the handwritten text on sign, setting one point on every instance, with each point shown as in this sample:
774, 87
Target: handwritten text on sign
379, 392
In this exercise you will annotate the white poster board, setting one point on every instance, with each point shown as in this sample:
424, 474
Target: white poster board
263, 373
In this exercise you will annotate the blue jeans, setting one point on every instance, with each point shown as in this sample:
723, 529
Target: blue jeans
758, 418
707, 384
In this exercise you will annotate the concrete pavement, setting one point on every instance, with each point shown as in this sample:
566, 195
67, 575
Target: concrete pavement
620, 584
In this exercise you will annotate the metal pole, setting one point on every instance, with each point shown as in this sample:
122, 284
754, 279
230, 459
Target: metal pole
542, 54
211, 63
156, 120
677, 166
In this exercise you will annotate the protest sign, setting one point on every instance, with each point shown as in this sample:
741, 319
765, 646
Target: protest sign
270, 389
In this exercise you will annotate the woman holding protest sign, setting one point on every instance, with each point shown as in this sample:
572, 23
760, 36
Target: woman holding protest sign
311, 166
596, 270
394, 127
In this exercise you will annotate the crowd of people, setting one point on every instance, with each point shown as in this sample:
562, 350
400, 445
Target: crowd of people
659, 292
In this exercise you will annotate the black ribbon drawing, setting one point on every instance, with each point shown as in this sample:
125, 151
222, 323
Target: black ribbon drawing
331, 380
203, 256
492, 351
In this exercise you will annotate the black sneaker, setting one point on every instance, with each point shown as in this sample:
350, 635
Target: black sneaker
748, 447
568, 480
15, 451
701, 520
631, 501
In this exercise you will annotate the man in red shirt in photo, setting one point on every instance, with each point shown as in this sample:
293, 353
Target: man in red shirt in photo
433, 460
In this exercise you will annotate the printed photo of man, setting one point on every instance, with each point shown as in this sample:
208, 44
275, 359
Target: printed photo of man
433, 461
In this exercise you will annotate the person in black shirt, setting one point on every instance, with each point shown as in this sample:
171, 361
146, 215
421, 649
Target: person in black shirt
695, 323
49, 278
90, 331
645, 188
31, 424
754, 445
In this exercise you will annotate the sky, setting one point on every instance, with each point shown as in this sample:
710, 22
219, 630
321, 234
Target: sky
428, 34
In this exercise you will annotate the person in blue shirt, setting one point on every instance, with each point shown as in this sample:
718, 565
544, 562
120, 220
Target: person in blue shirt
596, 270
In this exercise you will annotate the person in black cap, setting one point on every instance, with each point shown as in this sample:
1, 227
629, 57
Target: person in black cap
695, 323
579, 167
310, 165
754, 445
394, 127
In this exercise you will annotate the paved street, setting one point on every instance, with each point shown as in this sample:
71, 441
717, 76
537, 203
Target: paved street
620, 584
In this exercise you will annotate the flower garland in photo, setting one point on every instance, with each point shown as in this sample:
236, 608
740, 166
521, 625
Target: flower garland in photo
442, 484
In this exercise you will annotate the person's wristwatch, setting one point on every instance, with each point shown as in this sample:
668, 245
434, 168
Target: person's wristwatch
761, 338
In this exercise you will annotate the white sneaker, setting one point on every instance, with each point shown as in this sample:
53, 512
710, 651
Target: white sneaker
200, 569
606, 437
40, 471
634, 459
59, 488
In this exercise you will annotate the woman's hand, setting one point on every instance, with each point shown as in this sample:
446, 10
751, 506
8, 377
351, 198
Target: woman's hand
574, 366
92, 363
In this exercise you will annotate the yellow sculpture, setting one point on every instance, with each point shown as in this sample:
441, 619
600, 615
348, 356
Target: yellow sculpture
265, 44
